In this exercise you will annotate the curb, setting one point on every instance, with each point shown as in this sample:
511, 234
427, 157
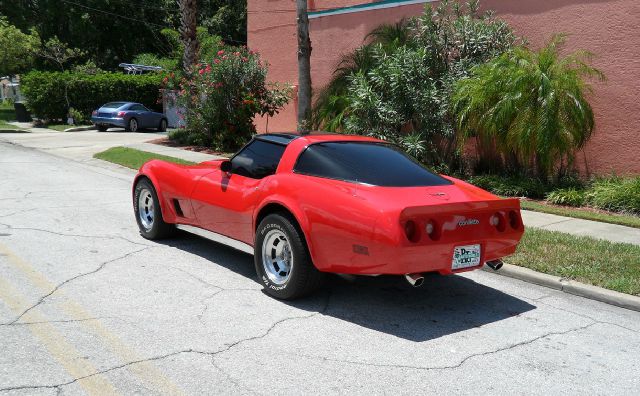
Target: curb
80, 129
568, 286
13, 131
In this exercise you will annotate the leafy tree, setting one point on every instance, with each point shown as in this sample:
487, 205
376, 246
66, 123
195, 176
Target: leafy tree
398, 86
220, 99
532, 104
16, 55
115, 31
332, 104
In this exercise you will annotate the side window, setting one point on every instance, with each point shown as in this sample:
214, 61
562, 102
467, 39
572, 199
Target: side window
259, 159
138, 107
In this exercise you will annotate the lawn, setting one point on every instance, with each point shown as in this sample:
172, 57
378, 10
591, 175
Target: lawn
7, 114
614, 266
605, 217
62, 127
132, 158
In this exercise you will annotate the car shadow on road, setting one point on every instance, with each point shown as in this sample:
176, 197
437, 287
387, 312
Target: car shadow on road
443, 305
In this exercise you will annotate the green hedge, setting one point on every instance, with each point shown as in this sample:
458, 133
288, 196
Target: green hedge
45, 91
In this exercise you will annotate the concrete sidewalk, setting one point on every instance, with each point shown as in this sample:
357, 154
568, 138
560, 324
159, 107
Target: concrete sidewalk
580, 227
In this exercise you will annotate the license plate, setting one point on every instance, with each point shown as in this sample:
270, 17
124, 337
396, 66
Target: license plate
466, 256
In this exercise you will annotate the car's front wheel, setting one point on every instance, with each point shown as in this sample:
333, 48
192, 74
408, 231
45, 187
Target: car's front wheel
148, 213
282, 260
132, 125
102, 128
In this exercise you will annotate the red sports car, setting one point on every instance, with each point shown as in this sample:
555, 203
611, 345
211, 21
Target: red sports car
315, 204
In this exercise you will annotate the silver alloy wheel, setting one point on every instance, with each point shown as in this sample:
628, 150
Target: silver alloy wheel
133, 125
145, 208
277, 259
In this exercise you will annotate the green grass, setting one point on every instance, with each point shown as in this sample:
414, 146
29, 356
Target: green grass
62, 127
612, 218
614, 266
132, 158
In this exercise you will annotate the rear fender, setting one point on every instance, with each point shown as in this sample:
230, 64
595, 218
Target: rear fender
292, 208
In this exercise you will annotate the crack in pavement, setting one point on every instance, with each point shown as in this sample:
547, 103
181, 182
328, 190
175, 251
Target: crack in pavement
213, 354
539, 300
454, 366
58, 321
109, 237
56, 288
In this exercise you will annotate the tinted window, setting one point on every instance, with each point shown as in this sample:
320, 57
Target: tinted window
377, 164
114, 105
138, 107
259, 159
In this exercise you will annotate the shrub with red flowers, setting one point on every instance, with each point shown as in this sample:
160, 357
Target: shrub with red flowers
221, 98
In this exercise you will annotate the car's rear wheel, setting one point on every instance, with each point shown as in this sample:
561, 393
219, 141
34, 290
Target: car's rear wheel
282, 260
148, 213
132, 125
163, 125
102, 128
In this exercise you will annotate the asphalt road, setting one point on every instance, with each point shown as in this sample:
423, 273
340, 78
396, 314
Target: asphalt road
87, 306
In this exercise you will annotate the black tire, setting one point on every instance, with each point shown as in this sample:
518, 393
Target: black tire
102, 128
132, 125
163, 125
156, 228
303, 277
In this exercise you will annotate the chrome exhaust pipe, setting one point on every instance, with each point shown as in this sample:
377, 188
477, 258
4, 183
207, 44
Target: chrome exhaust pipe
415, 280
494, 264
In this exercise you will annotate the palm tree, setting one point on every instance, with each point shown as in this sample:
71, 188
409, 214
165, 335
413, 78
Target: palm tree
188, 33
531, 104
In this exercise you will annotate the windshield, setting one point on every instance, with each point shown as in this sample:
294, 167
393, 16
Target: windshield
378, 164
113, 105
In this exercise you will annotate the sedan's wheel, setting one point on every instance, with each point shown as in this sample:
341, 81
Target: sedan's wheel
132, 126
148, 214
282, 260
163, 126
102, 128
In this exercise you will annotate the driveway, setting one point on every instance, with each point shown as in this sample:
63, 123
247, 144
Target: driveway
87, 306
79, 146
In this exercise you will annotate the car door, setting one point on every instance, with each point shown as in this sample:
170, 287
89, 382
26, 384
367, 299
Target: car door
225, 202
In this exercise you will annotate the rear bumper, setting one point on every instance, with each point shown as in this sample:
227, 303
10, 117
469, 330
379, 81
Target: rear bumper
117, 122
436, 257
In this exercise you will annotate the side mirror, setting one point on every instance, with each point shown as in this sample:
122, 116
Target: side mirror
225, 166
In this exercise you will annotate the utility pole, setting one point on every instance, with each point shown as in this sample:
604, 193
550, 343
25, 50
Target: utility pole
188, 25
304, 68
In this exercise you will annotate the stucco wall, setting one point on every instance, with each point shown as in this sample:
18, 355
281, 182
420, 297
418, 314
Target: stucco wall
610, 29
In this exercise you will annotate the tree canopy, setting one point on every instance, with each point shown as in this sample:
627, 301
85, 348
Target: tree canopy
113, 31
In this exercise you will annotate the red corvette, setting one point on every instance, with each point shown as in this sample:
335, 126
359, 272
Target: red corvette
314, 204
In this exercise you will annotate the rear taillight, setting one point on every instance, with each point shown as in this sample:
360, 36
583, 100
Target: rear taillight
95, 112
411, 231
121, 114
497, 220
514, 220
432, 229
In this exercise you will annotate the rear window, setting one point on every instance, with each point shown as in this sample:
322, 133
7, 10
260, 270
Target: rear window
378, 164
114, 105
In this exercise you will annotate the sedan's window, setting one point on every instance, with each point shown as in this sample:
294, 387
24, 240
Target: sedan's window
138, 107
257, 160
377, 164
114, 105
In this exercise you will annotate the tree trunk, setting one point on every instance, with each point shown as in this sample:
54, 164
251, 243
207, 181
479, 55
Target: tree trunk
304, 68
188, 25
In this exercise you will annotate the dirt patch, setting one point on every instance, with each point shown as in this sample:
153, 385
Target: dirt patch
200, 149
